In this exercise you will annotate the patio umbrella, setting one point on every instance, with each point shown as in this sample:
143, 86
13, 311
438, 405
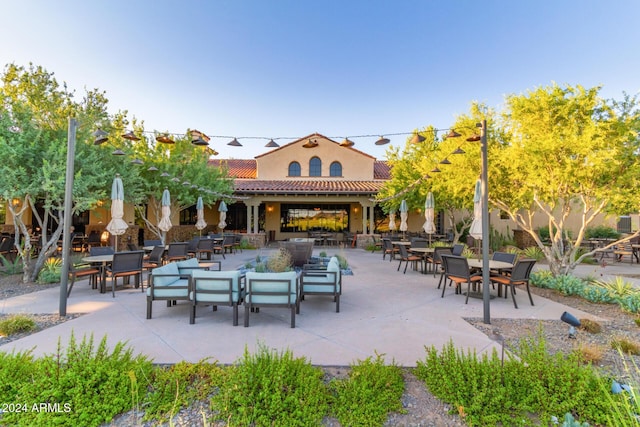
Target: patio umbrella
475, 230
165, 221
223, 215
404, 213
392, 220
429, 214
200, 224
117, 226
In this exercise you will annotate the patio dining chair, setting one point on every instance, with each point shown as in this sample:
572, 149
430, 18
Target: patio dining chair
406, 257
456, 269
436, 262
519, 276
177, 252
125, 265
389, 249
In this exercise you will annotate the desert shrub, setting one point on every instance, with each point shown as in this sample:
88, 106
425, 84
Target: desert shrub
280, 261
10, 267
626, 346
617, 288
590, 326
272, 389
342, 261
16, 324
536, 382
371, 392
532, 252
589, 353
50, 272
88, 385
178, 386
624, 402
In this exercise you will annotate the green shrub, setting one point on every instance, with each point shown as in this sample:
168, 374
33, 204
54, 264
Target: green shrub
601, 232
17, 369
625, 406
11, 267
371, 392
342, 261
87, 385
272, 389
532, 252
618, 288
535, 382
16, 324
50, 272
179, 386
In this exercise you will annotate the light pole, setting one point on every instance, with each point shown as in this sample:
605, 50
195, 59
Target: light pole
484, 186
68, 212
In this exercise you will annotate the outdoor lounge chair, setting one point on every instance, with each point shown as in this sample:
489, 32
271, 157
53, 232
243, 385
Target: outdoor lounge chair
326, 282
216, 288
271, 290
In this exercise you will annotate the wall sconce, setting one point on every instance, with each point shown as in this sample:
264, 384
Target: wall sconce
15, 202
104, 237
355, 209
269, 208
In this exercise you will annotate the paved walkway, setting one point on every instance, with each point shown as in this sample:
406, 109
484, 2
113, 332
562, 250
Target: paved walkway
381, 310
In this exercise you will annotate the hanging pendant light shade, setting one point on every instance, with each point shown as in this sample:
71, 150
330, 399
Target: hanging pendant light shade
459, 151
347, 143
165, 139
118, 152
474, 138
417, 138
152, 169
234, 143
130, 136
199, 142
453, 134
175, 179
196, 134
100, 137
382, 141
164, 174
435, 170
445, 161
137, 161
272, 144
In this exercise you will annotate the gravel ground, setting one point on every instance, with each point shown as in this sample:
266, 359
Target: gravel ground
421, 408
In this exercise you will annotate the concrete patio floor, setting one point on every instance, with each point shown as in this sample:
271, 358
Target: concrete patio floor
381, 311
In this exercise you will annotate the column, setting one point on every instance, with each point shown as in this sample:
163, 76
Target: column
248, 218
371, 227
364, 218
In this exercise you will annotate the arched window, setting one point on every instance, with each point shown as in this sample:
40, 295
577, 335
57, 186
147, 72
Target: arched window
315, 166
335, 169
294, 169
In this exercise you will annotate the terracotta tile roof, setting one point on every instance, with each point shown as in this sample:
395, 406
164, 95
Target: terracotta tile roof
238, 168
381, 170
318, 186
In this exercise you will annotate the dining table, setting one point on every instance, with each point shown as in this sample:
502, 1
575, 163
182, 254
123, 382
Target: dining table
475, 263
424, 253
103, 261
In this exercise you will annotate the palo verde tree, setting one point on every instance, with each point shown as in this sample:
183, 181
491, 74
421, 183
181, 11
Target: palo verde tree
565, 154
34, 112
418, 169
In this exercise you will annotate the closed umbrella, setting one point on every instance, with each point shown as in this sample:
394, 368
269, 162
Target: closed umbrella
392, 220
429, 214
222, 208
117, 226
200, 224
475, 230
404, 214
165, 221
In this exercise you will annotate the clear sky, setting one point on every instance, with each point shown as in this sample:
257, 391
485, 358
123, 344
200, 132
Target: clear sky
288, 68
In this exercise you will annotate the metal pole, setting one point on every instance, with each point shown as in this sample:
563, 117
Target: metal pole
68, 211
486, 296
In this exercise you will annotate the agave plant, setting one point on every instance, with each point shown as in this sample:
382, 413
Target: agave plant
617, 288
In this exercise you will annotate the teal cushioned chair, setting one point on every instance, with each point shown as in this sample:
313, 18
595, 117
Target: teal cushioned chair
323, 282
271, 290
216, 288
167, 283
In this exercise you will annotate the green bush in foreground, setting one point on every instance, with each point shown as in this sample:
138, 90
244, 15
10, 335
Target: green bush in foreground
16, 324
537, 383
82, 386
271, 389
178, 386
371, 392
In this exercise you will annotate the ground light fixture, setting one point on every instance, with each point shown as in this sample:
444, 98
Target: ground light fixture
573, 323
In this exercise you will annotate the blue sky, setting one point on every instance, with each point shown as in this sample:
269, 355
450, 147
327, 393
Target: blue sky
288, 68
